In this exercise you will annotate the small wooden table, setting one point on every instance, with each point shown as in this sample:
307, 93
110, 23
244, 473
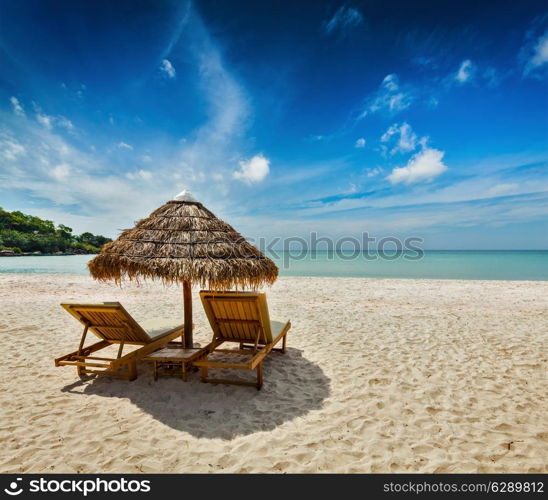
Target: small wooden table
173, 356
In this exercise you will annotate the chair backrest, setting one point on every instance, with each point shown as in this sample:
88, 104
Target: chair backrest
109, 321
238, 316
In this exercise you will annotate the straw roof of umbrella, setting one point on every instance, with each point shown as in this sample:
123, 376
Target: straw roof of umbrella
182, 241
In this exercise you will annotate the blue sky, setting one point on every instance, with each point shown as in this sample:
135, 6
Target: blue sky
422, 119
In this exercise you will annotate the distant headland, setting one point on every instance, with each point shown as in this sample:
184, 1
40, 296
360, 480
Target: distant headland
23, 234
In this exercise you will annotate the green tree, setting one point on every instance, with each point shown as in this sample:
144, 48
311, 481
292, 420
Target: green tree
30, 234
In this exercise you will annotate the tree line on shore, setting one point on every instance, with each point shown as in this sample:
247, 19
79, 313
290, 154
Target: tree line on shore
27, 234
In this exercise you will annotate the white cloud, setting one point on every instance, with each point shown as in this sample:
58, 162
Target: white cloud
407, 139
537, 54
61, 121
392, 130
390, 97
227, 104
125, 145
145, 175
48, 121
373, 172
17, 107
60, 172
503, 189
360, 143
319, 138
10, 148
168, 68
424, 166
540, 56
142, 175
391, 82
465, 72
344, 19
253, 170
351, 189
44, 120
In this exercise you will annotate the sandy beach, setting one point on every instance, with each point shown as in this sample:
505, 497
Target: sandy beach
380, 376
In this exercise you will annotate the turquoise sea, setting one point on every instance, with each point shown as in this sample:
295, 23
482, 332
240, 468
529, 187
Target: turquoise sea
435, 264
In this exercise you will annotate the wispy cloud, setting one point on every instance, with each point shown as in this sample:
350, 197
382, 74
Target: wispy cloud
503, 189
17, 107
466, 71
534, 54
125, 145
373, 172
319, 137
208, 157
167, 68
253, 170
60, 172
10, 148
44, 120
405, 138
480, 73
344, 19
65, 123
143, 175
43, 162
360, 143
390, 97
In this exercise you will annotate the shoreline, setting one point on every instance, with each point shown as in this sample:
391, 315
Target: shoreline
284, 277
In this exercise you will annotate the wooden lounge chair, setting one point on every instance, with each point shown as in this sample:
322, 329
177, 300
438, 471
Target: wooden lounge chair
240, 317
114, 325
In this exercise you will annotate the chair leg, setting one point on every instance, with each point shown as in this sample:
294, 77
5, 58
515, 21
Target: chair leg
203, 373
132, 370
259, 376
283, 343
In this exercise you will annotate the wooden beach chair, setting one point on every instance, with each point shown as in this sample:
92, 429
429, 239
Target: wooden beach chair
240, 317
114, 325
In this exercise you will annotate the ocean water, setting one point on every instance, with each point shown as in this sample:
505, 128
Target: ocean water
481, 265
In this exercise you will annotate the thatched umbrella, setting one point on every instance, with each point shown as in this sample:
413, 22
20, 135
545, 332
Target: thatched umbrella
183, 242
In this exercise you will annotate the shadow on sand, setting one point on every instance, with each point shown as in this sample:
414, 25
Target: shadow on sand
293, 387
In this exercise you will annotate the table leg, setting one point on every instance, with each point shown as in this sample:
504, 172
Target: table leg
184, 371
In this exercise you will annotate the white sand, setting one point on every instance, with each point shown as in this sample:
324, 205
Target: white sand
380, 376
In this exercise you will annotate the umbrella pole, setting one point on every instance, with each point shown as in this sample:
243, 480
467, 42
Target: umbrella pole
187, 303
